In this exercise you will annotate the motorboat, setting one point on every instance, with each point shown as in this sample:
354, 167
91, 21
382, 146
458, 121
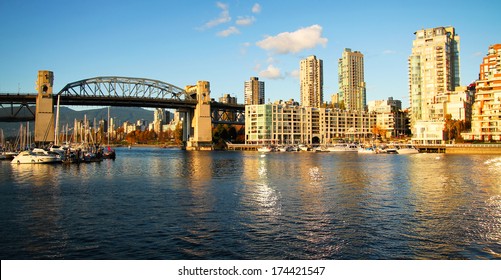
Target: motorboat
343, 148
8, 155
264, 149
366, 150
36, 156
303, 148
409, 149
109, 153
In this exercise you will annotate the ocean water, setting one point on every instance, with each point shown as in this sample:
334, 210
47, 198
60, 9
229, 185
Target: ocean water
153, 203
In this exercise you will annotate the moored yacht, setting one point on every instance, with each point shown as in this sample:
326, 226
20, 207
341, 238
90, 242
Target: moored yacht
409, 149
343, 147
264, 149
36, 156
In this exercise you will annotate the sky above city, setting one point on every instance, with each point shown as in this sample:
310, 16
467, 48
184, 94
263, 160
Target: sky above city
227, 42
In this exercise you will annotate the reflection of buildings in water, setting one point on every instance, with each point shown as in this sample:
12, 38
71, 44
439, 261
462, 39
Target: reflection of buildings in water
490, 167
198, 171
35, 174
454, 199
256, 193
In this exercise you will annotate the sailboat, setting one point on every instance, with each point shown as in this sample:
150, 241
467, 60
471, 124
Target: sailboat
109, 153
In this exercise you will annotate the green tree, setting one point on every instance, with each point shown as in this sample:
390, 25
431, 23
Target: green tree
178, 134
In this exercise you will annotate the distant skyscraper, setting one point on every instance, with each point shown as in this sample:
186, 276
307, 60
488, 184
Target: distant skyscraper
433, 69
254, 91
311, 79
352, 90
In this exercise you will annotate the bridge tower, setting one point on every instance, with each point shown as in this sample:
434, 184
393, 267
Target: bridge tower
201, 123
44, 117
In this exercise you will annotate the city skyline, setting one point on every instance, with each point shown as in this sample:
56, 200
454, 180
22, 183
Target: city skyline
227, 42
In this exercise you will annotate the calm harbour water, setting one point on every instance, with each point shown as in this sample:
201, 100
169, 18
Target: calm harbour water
171, 204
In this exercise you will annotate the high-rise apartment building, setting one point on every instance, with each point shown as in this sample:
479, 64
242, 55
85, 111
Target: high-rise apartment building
433, 69
311, 79
486, 113
352, 90
254, 91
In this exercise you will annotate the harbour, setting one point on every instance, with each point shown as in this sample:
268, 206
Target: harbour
153, 203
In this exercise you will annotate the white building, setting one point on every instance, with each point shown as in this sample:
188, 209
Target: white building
433, 70
284, 124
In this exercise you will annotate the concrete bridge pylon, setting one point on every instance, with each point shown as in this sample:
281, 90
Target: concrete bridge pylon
44, 116
201, 124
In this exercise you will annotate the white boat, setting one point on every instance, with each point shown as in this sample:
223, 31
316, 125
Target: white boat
303, 148
343, 148
366, 150
36, 156
282, 149
407, 150
264, 149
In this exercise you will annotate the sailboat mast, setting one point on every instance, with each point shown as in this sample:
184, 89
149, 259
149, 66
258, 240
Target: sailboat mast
108, 124
56, 131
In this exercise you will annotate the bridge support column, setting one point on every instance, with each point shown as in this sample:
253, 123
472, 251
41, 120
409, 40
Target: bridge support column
44, 116
201, 138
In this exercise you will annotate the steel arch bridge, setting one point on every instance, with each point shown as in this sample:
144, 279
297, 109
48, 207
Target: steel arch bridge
120, 92
126, 92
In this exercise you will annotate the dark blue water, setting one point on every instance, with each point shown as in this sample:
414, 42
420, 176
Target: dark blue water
171, 204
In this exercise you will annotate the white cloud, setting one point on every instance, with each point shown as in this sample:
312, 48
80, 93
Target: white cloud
244, 47
227, 32
256, 8
294, 42
245, 20
294, 74
271, 72
224, 17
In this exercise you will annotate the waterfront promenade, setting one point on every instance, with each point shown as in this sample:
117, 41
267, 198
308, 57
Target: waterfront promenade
465, 149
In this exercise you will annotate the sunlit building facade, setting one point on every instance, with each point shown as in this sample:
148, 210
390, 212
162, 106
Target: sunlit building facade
311, 82
486, 112
254, 91
284, 124
352, 89
433, 69
390, 117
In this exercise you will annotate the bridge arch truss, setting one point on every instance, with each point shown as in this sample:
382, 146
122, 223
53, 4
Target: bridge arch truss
125, 91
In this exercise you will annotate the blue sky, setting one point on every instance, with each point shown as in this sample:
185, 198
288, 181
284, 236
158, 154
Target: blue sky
227, 42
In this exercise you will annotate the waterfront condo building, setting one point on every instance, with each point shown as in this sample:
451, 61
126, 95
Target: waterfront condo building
311, 81
486, 112
389, 117
433, 71
433, 68
352, 89
280, 123
254, 91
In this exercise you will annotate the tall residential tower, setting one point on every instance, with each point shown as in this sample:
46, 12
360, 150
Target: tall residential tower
311, 79
254, 91
486, 119
352, 91
433, 69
